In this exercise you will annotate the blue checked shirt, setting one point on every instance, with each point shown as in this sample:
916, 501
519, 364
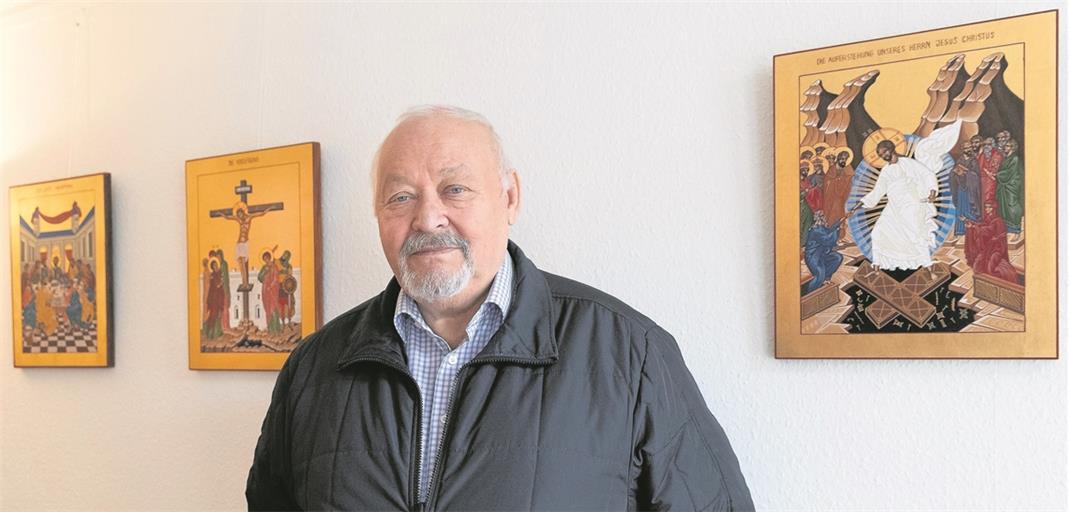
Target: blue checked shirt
435, 366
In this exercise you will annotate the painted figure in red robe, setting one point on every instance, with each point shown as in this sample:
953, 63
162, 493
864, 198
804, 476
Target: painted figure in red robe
213, 326
268, 276
985, 246
989, 161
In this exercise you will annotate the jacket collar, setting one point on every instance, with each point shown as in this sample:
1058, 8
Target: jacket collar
526, 337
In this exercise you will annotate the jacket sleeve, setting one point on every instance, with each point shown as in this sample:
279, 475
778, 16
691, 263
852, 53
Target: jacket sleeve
683, 458
268, 486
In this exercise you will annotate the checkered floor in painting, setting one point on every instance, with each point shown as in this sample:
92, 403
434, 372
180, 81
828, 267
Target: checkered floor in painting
63, 342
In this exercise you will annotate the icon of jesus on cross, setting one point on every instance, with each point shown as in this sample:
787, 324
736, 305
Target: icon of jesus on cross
243, 213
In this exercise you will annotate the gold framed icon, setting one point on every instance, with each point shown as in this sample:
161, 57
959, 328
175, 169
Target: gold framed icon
920, 220
61, 273
253, 256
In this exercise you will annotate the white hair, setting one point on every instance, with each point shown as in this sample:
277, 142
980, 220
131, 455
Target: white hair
449, 112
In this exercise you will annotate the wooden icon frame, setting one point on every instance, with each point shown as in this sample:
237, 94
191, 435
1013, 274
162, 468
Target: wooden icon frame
278, 191
61, 273
1016, 320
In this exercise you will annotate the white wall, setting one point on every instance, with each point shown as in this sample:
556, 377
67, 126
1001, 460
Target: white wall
643, 134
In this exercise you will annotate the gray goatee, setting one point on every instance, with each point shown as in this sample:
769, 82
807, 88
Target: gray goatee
434, 285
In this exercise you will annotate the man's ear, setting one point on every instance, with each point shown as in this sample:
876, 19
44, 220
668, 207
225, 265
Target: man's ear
513, 196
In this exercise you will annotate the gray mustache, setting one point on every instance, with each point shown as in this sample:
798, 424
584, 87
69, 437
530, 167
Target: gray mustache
420, 241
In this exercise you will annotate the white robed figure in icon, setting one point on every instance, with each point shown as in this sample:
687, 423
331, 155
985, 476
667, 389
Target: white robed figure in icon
905, 232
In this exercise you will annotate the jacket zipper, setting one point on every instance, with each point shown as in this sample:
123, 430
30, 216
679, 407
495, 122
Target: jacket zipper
436, 470
413, 471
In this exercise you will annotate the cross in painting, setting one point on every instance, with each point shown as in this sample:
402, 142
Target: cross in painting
906, 297
243, 213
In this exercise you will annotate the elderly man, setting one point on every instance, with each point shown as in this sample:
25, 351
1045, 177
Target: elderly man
476, 381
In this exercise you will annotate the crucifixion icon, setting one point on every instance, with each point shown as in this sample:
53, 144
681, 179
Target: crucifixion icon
243, 213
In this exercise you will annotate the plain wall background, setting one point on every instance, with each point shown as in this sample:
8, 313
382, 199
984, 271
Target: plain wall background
643, 136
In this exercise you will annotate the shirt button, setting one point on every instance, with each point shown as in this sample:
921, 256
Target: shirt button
452, 359
442, 420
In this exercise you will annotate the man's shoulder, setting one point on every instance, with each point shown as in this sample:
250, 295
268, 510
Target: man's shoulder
574, 294
593, 325
335, 334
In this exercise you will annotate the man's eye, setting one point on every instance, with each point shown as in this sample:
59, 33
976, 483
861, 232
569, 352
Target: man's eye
400, 198
455, 189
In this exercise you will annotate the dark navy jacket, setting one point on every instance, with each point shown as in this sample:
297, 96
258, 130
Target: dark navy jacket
578, 402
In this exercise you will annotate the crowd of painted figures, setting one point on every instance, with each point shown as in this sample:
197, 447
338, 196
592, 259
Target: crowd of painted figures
986, 187
826, 174
57, 300
277, 290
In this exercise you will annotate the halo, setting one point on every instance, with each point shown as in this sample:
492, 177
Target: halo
819, 144
823, 162
868, 149
260, 254
849, 153
803, 149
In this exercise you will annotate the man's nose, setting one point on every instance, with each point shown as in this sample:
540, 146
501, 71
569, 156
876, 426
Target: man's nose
431, 214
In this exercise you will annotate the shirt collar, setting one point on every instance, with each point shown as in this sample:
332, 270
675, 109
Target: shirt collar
500, 295
526, 337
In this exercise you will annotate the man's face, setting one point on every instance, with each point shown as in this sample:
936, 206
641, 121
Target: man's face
884, 152
975, 143
989, 144
439, 188
842, 159
1002, 138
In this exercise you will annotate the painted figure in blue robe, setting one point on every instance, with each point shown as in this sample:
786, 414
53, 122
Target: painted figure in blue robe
820, 254
965, 186
974, 211
74, 310
29, 311
959, 187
